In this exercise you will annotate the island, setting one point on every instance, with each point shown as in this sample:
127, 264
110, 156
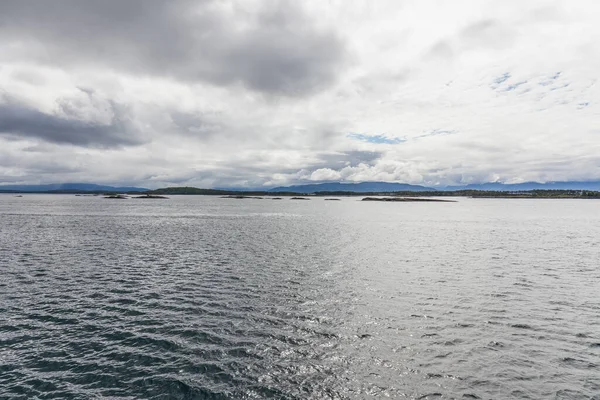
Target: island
241, 197
150, 196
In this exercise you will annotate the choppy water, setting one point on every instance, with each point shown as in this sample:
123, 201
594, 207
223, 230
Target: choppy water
202, 297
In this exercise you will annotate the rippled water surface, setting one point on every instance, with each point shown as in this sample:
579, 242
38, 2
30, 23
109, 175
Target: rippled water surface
203, 297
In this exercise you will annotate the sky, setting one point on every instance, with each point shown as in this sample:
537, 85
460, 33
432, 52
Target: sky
257, 94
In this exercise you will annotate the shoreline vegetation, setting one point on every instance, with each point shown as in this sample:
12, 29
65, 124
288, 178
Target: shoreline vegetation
161, 194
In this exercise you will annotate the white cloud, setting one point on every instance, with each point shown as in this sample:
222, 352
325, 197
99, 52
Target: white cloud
476, 90
325, 174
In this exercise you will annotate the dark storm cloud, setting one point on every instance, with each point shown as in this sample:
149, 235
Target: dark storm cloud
277, 49
24, 121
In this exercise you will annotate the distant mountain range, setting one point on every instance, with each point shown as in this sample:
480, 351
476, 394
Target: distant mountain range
67, 187
363, 187
502, 187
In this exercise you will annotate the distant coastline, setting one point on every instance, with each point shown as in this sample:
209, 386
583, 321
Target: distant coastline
531, 194
323, 187
522, 194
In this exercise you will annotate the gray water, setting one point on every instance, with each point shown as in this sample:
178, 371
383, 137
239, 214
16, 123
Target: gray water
203, 297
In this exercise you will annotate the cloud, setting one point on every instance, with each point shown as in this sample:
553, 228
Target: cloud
487, 33
274, 48
219, 93
345, 158
377, 139
70, 123
438, 132
501, 79
325, 174
199, 124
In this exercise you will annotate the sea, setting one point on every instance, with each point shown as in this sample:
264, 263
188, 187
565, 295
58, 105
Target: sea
200, 297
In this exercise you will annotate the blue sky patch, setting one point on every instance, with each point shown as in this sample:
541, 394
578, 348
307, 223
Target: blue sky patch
501, 79
377, 139
560, 87
583, 105
514, 86
500, 83
550, 80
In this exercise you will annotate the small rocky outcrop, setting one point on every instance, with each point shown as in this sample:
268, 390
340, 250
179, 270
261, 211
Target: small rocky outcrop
241, 197
150, 196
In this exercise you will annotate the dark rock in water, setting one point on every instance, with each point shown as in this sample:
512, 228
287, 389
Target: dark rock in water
150, 196
521, 326
332, 199
429, 395
299, 198
240, 197
19, 196
276, 198
116, 196
406, 199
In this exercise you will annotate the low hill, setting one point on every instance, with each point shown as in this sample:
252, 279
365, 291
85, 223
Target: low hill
66, 188
188, 190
